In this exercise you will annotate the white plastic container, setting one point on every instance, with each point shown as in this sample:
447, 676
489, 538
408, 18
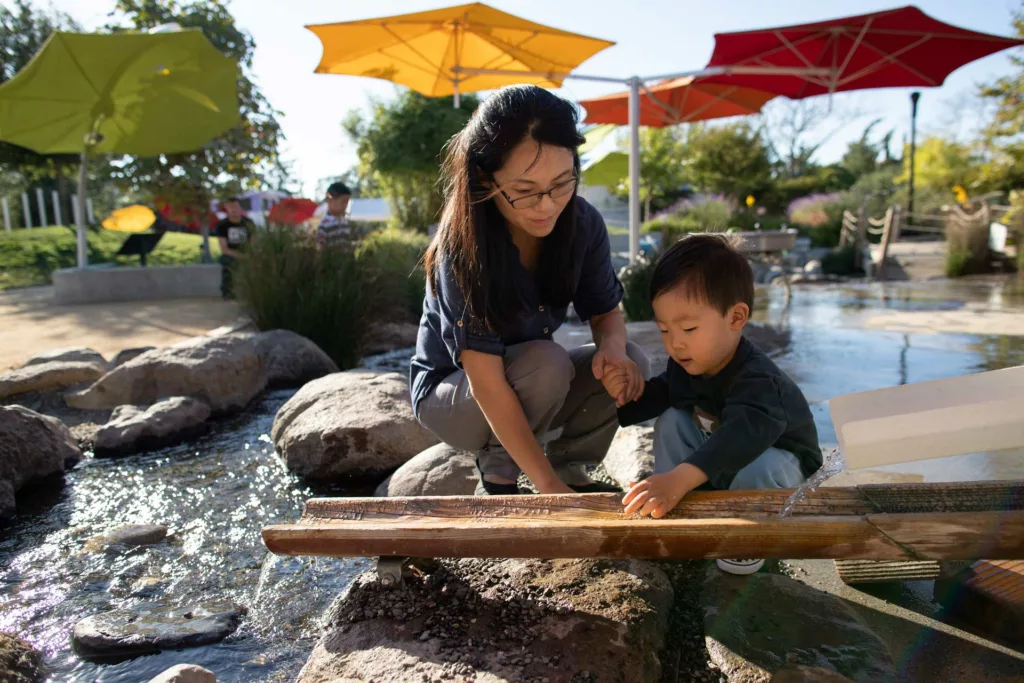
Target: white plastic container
967, 414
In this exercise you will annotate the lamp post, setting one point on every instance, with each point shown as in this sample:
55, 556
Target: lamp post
914, 97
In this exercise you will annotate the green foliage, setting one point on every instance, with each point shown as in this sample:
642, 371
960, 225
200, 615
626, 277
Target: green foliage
286, 282
636, 281
244, 157
28, 257
392, 257
840, 262
673, 228
941, 164
958, 262
661, 168
731, 160
399, 149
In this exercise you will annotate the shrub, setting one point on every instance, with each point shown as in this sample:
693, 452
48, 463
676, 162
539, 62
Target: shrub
840, 261
673, 228
811, 210
287, 282
636, 279
958, 262
391, 258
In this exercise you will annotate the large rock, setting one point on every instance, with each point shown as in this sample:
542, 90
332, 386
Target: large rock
80, 354
291, 360
137, 428
50, 376
351, 425
514, 620
438, 471
385, 337
151, 627
129, 535
19, 661
32, 446
185, 673
125, 355
631, 455
754, 625
225, 373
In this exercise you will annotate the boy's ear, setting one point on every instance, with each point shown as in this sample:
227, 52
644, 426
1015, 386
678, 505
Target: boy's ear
739, 315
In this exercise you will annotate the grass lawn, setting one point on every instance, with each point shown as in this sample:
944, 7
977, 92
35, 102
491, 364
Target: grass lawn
28, 256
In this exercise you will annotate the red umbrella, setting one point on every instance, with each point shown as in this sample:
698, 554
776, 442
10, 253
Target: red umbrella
895, 48
678, 100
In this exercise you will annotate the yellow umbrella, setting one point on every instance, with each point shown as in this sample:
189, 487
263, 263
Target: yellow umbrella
439, 52
135, 218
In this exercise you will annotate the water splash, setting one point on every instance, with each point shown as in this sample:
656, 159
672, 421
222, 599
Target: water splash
833, 464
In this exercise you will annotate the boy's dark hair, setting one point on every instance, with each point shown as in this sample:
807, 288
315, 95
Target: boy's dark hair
710, 267
338, 190
229, 199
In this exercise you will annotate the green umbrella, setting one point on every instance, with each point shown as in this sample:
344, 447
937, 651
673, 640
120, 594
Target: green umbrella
608, 170
121, 93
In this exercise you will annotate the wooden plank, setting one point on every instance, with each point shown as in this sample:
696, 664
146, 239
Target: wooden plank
990, 597
829, 523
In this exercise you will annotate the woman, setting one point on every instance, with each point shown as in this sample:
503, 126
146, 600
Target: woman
514, 248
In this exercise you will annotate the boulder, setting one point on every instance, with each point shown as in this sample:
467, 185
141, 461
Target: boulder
80, 354
125, 355
32, 446
185, 673
129, 535
631, 455
148, 628
291, 360
496, 621
225, 373
385, 337
351, 426
755, 625
19, 661
136, 428
51, 376
438, 471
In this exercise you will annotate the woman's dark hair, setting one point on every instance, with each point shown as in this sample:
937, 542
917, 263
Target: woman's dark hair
472, 237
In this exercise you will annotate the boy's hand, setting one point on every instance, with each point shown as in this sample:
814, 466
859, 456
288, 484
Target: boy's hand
615, 382
657, 495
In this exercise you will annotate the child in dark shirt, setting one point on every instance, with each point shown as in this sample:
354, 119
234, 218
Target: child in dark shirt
727, 417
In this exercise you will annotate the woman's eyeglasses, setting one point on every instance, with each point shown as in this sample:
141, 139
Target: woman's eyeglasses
531, 200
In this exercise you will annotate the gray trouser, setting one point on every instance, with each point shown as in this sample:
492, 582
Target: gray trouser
676, 437
557, 390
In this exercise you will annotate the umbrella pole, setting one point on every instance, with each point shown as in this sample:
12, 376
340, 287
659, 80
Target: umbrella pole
634, 168
83, 253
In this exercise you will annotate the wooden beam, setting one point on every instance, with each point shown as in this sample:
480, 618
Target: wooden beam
879, 522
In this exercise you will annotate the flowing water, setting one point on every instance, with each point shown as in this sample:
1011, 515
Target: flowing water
217, 492
833, 464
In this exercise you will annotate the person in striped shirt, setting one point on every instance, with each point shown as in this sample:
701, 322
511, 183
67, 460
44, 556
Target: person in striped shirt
332, 226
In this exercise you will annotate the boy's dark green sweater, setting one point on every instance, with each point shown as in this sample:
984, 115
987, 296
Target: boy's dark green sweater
755, 405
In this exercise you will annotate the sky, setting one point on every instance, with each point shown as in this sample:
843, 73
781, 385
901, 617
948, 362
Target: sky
652, 37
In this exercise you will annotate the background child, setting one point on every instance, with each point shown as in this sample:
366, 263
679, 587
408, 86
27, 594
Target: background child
727, 417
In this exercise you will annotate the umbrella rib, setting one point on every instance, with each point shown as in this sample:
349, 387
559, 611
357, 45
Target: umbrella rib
74, 60
48, 122
707, 105
852, 50
671, 111
891, 58
436, 67
792, 48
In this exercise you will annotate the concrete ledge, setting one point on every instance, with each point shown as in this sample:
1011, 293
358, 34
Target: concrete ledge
96, 285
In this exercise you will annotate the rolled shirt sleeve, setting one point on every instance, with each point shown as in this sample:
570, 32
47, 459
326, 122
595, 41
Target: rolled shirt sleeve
599, 289
459, 330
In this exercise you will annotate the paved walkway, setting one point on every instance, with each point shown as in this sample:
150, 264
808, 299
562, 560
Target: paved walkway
31, 322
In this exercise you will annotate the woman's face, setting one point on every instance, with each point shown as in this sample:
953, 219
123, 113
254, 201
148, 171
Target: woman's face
525, 173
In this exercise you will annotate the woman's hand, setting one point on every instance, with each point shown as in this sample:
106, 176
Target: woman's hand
612, 362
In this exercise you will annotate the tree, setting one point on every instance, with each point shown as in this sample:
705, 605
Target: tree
861, 156
399, 147
793, 130
1004, 135
661, 168
731, 159
245, 157
23, 31
940, 165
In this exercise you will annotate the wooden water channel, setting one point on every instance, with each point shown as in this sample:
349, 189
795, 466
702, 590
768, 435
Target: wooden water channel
958, 521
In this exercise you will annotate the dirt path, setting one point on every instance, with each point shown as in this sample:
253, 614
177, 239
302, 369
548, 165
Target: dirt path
31, 322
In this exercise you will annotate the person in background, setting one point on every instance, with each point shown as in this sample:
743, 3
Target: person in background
332, 226
233, 233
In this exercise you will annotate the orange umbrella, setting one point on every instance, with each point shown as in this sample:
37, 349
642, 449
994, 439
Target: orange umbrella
677, 100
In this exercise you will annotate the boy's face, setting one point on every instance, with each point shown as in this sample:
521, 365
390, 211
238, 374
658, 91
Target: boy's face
336, 205
696, 335
233, 210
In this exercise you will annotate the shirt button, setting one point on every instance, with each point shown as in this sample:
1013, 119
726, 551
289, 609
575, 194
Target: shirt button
545, 330
458, 323
540, 308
